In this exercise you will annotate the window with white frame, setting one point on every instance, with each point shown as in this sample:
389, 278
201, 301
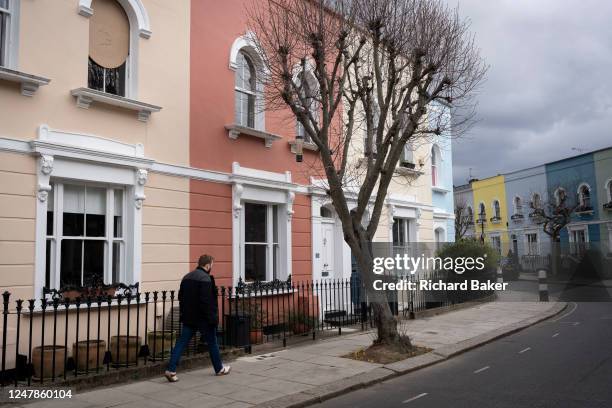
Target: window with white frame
435, 165
245, 90
482, 212
109, 47
496, 211
86, 234
401, 232
584, 197
536, 201
518, 206
532, 243
496, 243
470, 215
560, 196
309, 96
609, 190
261, 244
7, 28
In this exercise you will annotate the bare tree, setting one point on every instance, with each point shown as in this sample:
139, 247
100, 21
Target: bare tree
381, 68
464, 219
553, 214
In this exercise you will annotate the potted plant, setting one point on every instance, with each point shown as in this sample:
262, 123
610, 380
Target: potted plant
302, 322
253, 309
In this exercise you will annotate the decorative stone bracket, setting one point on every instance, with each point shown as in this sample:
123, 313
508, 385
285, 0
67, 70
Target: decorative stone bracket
237, 198
290, 200
141, 179
46, 167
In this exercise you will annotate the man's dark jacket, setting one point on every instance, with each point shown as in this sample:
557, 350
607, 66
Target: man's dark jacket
198, 299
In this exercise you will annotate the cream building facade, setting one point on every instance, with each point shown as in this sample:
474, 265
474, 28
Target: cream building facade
84, 181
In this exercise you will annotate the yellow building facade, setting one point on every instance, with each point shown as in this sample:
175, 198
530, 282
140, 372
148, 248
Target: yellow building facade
491, 212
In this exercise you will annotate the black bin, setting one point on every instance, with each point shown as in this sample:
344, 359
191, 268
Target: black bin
237, 328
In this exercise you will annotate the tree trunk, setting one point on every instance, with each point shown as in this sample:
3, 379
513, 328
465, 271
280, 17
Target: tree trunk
555, 254
386, 323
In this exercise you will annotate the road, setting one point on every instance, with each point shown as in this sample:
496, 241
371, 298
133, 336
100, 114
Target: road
563, 362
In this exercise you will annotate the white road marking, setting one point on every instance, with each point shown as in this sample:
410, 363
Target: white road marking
555, 335
576, 323
566, 314
414, 398
480, 370
524, 350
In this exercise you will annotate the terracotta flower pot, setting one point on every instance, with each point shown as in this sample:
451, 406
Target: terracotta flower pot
256, 336
89, 360
129, 347
161, 342
45, 355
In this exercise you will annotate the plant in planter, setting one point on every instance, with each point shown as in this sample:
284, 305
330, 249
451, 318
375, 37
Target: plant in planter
302, 322
253, 309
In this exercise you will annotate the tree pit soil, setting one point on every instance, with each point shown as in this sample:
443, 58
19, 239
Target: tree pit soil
386, 354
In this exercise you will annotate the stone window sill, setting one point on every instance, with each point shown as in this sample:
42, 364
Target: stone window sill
29, 83
234, 131
306, 146
85, 97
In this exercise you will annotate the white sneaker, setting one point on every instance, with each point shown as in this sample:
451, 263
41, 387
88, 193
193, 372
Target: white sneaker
170, 376
224, 371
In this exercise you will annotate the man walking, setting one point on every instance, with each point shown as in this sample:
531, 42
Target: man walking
198, 312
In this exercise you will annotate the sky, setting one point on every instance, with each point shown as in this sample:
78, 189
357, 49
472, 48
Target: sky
548, 91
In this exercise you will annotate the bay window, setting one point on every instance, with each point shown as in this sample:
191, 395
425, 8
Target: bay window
85, 240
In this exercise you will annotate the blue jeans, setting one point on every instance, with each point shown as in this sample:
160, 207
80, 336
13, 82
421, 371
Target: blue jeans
210, 335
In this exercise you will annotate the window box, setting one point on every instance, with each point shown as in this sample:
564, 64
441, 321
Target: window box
438, 189
408, 171
517, 217
85, 97
29, 83
307, 146
584, 210
407, 164
608, 206
234, 131
495, 220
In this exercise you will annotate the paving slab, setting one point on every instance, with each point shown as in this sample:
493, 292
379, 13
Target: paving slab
309, 372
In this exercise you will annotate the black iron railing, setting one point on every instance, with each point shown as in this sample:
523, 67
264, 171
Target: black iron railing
56, 338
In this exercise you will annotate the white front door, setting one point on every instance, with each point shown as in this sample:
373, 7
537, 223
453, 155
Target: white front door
327, 250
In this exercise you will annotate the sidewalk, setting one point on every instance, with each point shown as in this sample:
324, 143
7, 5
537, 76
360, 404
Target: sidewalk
302, 374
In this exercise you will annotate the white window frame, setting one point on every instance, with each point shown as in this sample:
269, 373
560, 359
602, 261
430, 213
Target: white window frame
496, 209
581, 194
482, 212
273, 264
494, 239
436, 160
138, 19
532, 247
249, 92
58, 234
10, 47
572, 231
263, 187
405, 228
608, 188
90, 159
247, 45
518, 205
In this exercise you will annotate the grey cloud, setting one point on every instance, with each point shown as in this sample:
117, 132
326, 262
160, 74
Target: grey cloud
548, 88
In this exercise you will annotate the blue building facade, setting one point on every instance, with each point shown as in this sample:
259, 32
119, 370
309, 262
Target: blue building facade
442, 183
575, 177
